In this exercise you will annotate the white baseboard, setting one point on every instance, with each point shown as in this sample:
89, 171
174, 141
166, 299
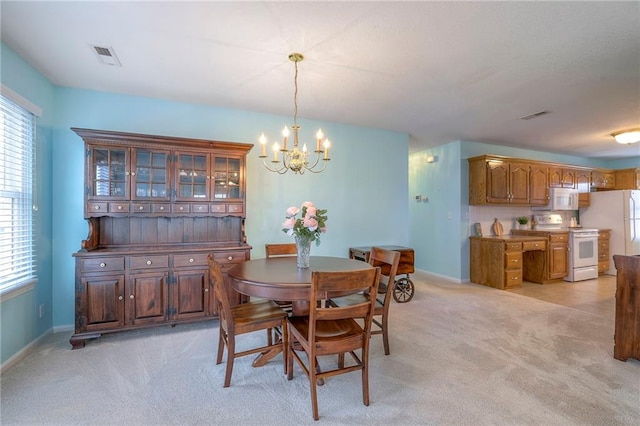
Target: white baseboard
18, 356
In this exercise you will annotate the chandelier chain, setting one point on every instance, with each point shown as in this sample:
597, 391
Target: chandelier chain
295, 95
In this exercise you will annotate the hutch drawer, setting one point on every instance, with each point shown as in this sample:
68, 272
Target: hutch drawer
102, 264
193, 259
149, 262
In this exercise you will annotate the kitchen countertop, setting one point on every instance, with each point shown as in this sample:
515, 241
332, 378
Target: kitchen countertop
515, 238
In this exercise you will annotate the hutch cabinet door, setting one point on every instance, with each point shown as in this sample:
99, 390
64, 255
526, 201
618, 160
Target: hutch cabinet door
101, 303
191, 294
108, 173
147, 298
150, 175
192, 177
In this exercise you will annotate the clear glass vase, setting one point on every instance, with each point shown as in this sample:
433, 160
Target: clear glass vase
303, 246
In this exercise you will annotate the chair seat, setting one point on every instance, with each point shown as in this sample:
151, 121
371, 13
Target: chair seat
328, 330
256, 311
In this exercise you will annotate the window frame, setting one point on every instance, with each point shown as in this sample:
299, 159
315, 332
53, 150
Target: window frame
23, 284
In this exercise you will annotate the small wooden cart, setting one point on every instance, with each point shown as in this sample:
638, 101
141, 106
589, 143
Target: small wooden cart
403, 288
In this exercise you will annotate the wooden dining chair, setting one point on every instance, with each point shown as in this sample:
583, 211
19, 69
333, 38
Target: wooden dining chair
388, 260
244, 318
280, 250
330, 330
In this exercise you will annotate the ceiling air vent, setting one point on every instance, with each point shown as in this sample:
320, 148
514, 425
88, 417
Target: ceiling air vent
106, 55
534, 115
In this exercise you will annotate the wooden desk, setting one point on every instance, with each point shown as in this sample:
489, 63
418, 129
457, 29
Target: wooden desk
278, 278
498, 261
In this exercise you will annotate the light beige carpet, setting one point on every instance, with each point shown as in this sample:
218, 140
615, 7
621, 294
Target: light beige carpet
461, 354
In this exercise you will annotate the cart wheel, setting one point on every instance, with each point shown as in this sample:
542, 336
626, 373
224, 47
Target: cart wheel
403, 290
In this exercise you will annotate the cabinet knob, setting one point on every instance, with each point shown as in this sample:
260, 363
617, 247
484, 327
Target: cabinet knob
181, 208
133, 173
96, 207
149, 262
191, 260
120, 298
131, 296
206, 290
230, 258
102, 264
126, 173
161, 207
120, 207
141, 208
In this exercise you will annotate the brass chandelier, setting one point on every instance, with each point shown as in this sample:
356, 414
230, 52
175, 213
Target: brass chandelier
296, 159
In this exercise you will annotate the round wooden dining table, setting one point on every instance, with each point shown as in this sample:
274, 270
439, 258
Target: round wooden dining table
278, 278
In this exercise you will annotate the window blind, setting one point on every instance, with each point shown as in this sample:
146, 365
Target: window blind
17, 218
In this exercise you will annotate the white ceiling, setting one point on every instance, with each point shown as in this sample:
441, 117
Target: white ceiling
439, 71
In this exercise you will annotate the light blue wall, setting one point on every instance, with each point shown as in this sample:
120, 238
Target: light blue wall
19, 321
364, 187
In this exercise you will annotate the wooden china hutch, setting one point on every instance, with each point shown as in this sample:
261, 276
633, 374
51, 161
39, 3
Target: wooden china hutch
156, 206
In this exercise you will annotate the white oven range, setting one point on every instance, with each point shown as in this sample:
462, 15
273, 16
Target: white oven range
583, 247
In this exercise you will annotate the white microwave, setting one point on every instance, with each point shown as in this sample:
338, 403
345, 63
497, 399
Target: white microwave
561, 199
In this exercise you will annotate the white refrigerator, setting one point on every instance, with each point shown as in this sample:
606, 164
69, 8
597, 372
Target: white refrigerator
620, 212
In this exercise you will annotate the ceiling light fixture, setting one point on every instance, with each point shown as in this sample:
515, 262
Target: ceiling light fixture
295, 159
627, 136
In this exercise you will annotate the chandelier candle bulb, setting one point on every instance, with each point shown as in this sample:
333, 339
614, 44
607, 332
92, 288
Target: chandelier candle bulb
326, 149
276, 148
285, 135
319, 137
263, 142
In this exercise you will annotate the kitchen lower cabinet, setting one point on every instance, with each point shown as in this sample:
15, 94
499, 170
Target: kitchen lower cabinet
604, 236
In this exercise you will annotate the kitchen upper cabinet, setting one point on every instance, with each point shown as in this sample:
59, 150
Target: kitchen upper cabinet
538, 184
603, 179
583, 184
493, 180
560, 177
627, 179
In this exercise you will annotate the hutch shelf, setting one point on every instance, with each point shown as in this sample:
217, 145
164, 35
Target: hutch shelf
156, 206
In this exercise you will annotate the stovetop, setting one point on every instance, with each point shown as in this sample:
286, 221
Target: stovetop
554, 222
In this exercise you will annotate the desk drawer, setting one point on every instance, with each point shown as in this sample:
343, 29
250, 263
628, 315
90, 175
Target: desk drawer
512, 279
512, 246
513, 261
149, 262
534, 245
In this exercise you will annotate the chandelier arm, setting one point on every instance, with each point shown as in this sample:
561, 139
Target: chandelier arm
308, 167
324, 166
282, 170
